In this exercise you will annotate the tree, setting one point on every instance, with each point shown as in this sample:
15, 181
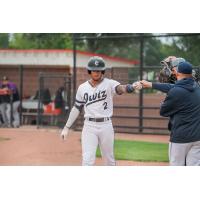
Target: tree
4, 40
155, 49
41, 41
125, 47
121, 47
189, 48
153, 53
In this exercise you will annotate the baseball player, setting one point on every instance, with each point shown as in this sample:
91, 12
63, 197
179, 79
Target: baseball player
96, 97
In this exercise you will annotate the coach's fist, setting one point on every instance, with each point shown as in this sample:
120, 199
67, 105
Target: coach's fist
146, 84
64, 133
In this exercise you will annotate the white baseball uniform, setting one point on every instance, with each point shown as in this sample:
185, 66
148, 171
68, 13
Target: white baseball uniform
98, 130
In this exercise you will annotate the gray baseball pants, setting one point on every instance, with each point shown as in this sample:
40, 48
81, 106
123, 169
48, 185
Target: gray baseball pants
184, 154
16, 121
3, 112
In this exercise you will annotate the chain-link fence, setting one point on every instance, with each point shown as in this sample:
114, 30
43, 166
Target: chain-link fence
129, 57
54, 99
137, 113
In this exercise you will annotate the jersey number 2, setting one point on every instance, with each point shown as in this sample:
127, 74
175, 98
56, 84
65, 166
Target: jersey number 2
105, 104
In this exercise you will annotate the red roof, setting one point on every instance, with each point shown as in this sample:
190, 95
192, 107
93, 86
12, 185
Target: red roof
130, 61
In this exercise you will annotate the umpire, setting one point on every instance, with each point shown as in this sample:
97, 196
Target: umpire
182, 105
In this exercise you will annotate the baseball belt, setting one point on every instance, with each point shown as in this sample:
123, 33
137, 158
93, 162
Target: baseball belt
103, 119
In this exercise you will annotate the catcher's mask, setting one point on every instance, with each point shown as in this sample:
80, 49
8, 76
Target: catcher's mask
196, 75
166, 75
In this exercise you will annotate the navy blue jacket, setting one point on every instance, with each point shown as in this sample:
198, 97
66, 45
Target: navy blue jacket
163, 87
182, 105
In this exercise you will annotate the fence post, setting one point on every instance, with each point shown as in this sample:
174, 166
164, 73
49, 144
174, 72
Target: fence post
21, 75
39, 99
141, 77
74, 67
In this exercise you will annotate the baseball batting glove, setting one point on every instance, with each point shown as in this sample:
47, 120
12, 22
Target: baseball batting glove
64, 133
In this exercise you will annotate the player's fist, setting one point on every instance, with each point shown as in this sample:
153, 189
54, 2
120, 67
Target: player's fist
64, 133
137, 85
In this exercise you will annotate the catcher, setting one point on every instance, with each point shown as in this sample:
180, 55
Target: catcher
182, 106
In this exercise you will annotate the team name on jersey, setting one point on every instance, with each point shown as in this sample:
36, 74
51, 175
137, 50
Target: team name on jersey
98, 96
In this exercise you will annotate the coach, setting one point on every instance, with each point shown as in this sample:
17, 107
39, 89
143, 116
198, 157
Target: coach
182, 105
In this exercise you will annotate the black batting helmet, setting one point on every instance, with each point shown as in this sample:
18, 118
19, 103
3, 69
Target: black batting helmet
96, 63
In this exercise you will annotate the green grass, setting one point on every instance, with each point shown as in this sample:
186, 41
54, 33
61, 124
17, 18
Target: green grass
140, 151
2, 139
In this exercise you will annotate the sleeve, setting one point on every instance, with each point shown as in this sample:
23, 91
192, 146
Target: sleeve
72, 117
163, 87
172, 103
12, 86
79, 101
114, 85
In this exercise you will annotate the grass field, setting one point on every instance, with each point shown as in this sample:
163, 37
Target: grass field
140, 151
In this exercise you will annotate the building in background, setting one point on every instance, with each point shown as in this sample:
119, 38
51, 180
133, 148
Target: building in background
54, 61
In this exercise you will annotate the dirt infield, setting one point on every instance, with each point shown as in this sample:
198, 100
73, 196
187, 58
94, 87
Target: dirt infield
29, 146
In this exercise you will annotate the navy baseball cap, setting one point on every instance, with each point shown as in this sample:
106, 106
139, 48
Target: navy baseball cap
185, 68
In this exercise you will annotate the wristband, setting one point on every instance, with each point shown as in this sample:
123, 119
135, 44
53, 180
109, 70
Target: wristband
129, 88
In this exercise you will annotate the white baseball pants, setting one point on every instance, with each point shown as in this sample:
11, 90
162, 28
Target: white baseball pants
94, 134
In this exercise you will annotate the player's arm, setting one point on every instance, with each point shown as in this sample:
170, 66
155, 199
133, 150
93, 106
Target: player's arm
72, 118
74, 113
163, 87
129, 88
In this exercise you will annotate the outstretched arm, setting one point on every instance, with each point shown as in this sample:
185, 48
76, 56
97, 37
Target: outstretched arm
72, 118
129, 88
163, 87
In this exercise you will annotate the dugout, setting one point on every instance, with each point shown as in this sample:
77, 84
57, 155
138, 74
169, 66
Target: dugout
25, 68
